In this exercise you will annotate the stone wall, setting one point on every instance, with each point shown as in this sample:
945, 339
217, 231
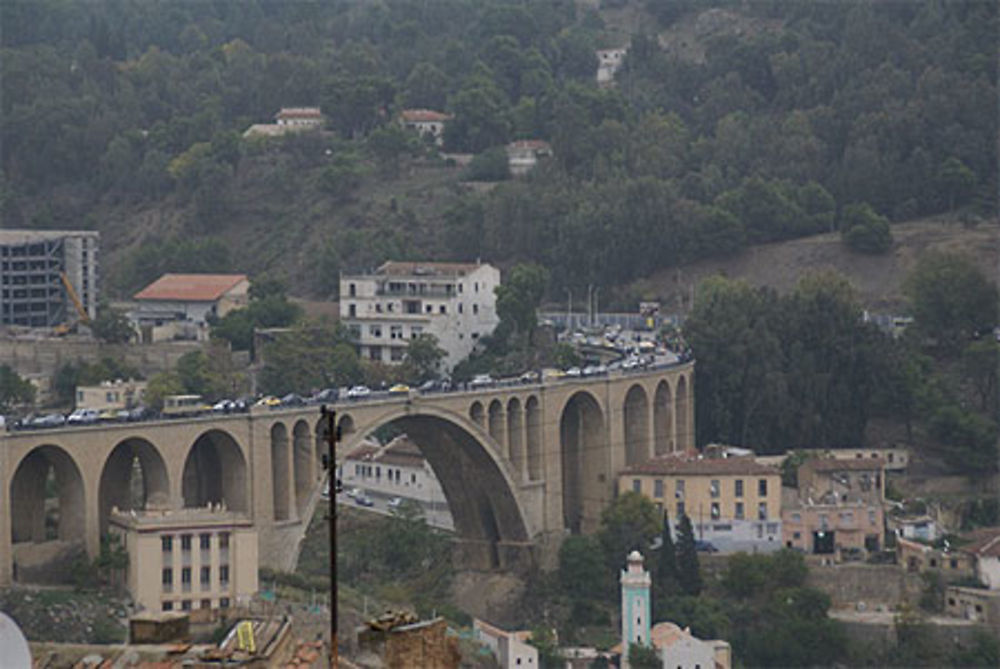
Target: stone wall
873, 585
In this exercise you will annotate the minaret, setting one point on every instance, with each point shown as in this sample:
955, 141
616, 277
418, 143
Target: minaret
635, 605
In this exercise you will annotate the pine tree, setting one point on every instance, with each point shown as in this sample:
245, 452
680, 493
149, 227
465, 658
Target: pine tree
665, 584
688, 570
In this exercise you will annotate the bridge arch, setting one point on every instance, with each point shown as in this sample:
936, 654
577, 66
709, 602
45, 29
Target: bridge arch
684, 440
279, 472
302, 466
134, 476
533, 437
496, 424
515, 437
489, 522
583, 446
215, 471
477, 414
635, 416
663, 432
33, 520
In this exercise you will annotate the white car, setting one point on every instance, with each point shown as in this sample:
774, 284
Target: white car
395, 502
358, 392
481, 381
83, 417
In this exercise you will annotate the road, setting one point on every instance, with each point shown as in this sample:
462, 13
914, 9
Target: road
438, 517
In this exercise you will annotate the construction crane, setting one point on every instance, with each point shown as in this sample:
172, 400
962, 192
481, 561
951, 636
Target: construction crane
82, 317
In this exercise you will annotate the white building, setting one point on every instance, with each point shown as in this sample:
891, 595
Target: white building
179, 306
400, 301
397, 469
608, 62
524, 154
287, 120
426, 122
511, 649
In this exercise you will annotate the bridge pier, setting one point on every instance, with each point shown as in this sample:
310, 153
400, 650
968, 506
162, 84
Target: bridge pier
486, 555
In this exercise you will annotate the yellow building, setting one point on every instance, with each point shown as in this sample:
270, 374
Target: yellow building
734, 503
188, 559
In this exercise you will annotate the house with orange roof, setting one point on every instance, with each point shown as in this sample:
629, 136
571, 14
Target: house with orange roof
180, 306
426, 122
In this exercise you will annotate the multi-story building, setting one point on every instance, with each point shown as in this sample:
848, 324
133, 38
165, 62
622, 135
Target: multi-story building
454, 302
608, 62
179, 306
511, 649
426, 123
47, 277
118, 394
838, 508
188, 559
733, 503
397, 469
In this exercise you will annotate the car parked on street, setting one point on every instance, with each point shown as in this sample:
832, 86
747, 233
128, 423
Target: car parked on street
84, 417
359, 392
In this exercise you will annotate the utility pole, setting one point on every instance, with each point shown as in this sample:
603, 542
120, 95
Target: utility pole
331, 467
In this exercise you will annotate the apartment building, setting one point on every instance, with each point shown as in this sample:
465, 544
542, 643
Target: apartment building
188, 559
838, 508
734, 503
454, 302
47, 277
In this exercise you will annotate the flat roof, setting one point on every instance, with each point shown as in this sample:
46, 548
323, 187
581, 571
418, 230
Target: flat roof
192, 518
28, 236
840, 464
190, 287
398, 268
671, 465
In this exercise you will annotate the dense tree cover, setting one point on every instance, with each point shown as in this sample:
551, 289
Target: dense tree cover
775, 133
13, 389
112, 326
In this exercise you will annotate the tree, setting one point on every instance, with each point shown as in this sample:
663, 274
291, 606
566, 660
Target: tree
642, 656
688, 569
301, 358
423, 358
519, 295
388, 145
160, 386
112, 326
666, 583
628, 524
951, 298
490, 165
956, 180
13, 389
582, 572
979, 361
865, 231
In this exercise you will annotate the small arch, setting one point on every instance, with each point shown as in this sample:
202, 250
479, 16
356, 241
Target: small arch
533, 420
663, 429
303, 474
215, 471
636, 422
279, 471
583, 443
346, 425
515, 436
321, 446
684, 441
134, 476
477, 414
496, 425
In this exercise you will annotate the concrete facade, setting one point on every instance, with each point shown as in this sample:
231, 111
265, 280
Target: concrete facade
397, 469
111, 395
541, 458
454, 302
510, 648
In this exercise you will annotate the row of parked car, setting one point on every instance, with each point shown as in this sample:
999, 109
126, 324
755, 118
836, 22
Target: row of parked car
80, 417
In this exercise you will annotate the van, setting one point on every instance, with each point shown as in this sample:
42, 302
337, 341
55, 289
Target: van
83, 417
175, 406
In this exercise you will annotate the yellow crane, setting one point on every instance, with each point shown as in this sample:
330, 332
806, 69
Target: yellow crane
81, 313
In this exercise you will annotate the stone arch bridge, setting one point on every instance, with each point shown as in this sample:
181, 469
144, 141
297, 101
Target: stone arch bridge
521, 465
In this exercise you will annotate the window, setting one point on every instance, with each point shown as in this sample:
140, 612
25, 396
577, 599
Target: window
186, 579
224, 575
713, 487
429, 309
185, 542
680, 489
397, 353
871, 516
224, 603
353, 289
738, 513
186, 605
954, 563
762, 511
168, 579
636, 485
847, 516
715, 511
205, 540
206, 577
395, 332
168, 606
762, 488
475, 308
680, 509
797, 517
460, 310
796, 535
167, 543
443, 309
206, 603
223, 540
658, 488
375, 330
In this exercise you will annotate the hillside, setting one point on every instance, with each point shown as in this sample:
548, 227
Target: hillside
877, 279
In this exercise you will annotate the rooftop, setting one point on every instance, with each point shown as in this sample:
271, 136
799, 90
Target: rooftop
839, 465
160, 519
190, 287
533, 144
398, 268
27, 236
667, 465
425, 115
299, 112
985, 542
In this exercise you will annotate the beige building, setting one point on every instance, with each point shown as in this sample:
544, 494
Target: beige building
838, 509
733, 503
188, 559
454, 302
288, 120
511, 649
426, 123
179, 306
111, 395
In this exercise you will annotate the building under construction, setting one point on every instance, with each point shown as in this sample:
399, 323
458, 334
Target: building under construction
48, 278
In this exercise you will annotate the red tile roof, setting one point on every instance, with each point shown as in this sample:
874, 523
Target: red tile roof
986, 542
190, 287
423, 115
668, 465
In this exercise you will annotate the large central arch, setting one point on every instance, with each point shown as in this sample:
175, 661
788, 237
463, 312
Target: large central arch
215, 471
134, 476
584, 451
489, 522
